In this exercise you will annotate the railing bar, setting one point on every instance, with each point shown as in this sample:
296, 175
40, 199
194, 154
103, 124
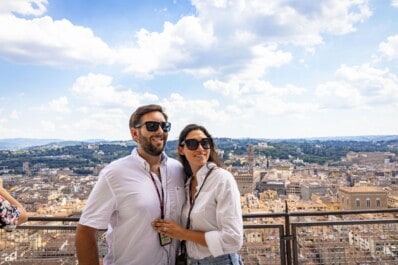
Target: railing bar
48, 218
250, 215
61, 223
51, 227
256, 226
346, 222
262, 215
48, 227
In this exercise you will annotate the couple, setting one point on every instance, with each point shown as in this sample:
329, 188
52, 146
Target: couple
140, 200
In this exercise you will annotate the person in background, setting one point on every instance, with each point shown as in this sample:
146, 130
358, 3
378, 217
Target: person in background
130, 193
212, 214
12, 213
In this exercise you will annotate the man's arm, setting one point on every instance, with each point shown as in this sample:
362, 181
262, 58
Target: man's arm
86, 245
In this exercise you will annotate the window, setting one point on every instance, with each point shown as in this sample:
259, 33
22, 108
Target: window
358, 203
378, 202
368, 202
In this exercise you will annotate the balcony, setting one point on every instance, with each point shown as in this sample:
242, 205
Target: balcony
334, 237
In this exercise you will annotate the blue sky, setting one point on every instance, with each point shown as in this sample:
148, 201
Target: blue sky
75, 70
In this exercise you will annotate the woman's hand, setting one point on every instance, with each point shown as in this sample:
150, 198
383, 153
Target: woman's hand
169, 228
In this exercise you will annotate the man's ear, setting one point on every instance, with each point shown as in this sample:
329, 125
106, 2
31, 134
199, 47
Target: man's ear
134, 133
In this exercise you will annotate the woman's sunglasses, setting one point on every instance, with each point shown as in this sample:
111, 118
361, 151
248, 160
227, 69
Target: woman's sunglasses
153, 126
193, 144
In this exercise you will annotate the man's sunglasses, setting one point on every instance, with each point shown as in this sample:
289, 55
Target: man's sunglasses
193, 144
153, 126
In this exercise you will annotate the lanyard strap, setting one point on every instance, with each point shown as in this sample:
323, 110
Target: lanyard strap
161, 198
197, 194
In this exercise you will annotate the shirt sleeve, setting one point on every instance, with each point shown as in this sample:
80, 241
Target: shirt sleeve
100, 205
229, 237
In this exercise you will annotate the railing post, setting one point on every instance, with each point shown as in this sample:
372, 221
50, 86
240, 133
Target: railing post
295, 247
287, 237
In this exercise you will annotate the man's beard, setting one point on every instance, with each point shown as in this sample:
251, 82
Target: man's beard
149, 148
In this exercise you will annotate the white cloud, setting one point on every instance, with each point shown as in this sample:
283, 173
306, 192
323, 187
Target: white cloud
225, 32
230, 46
2, 118
42, 40
360, 86
263, 58
107, 123
389, 48
236, 88
339, 95
299, 22
47, 126
206, 43
394, 3
59, 105
195, 110
24, 7
97, 90
176, 45
14, 115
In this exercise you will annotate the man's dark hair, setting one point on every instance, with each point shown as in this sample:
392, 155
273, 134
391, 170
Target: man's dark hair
135, 118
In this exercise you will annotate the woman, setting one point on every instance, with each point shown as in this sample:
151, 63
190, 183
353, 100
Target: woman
11, 211
212, 211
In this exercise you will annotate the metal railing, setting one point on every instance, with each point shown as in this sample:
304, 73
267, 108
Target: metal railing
334, 237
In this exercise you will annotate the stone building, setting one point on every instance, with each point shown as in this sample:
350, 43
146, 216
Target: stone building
362, 198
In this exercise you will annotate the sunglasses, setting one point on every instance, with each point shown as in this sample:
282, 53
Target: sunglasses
153, 126
193, 144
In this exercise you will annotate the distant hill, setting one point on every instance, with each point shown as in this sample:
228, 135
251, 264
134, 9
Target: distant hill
20, 143
23, 143
361, 138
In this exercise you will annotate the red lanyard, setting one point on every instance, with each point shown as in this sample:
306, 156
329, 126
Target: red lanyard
161, 198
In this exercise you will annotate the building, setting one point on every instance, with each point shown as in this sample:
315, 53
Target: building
244, 180
278, 186
307, 189
362, 197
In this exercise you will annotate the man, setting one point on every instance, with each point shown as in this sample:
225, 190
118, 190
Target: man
131, 192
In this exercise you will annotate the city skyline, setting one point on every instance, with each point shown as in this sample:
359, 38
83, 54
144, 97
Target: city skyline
282, 69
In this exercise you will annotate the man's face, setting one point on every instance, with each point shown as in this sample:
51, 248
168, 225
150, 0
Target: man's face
151, 142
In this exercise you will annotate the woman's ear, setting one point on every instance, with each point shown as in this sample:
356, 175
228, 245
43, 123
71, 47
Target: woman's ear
181, 150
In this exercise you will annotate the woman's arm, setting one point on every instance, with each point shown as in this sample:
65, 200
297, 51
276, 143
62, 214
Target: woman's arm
23, 217
174, 230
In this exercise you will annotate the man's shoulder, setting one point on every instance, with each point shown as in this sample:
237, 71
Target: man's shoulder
173, 162
120, 163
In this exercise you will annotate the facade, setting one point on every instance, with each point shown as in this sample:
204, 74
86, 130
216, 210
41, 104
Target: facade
307, 189
277, 186
244, 180
362, 198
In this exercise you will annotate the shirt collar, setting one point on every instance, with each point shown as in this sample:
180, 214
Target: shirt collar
143, 163
201, 174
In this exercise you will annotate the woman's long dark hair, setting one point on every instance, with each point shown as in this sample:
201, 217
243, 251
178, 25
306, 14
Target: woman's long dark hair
214, 157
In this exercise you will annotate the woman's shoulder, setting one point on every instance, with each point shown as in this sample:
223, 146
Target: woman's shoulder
223, 173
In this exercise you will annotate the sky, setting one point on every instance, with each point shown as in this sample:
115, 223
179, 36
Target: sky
77, 69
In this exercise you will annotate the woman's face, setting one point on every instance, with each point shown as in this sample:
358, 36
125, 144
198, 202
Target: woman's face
196, 158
